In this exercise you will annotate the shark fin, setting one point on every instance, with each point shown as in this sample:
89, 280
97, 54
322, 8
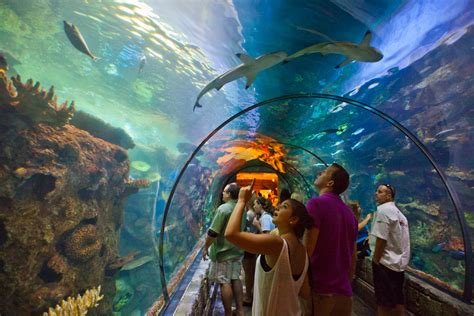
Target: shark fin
345, 62
367, 38
245, 58
250, 79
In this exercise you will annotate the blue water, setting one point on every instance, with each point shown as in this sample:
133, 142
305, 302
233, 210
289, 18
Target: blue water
424, 81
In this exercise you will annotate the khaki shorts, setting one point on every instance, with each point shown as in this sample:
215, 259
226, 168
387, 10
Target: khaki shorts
225, 271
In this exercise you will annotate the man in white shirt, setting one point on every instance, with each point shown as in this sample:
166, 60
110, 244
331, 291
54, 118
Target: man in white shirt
391, 254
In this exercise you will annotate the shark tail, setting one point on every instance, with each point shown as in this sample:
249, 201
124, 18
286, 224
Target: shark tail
197, 105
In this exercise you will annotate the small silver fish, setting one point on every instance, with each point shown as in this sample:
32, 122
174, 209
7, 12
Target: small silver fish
142, 63
77, 40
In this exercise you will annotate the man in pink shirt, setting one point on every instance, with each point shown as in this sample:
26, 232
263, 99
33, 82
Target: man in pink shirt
331, 244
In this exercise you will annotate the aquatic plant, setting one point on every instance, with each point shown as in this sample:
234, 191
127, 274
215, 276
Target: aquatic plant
33, 104
76, 305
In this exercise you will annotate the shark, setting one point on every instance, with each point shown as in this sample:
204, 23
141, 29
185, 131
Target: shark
353, 52
77, 40
249, 69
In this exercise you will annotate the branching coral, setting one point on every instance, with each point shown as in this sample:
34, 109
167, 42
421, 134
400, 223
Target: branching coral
77, 305
33, 103
82, 244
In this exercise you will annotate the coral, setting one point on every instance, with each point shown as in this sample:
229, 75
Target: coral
455, 243
100, 129
77, 305
33, 104
132, 186
82, 244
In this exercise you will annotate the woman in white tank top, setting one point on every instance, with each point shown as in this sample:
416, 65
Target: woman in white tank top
281, 268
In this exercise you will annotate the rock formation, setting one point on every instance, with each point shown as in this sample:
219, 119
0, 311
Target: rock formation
61, 202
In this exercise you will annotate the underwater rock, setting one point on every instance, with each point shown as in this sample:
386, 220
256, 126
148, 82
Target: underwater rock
62, 193
100, 129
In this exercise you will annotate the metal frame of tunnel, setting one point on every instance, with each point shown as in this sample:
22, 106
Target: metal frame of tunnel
467, 293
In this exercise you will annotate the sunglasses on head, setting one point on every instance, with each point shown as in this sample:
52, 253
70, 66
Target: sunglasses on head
390, 187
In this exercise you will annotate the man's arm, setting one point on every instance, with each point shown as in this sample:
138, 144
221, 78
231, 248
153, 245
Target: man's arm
354, 261
209, 240
310, 239
379, 249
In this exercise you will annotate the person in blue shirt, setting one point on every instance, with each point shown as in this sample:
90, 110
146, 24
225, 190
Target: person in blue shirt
264, 208
362, 241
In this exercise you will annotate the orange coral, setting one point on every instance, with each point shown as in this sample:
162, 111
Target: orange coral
32, 102
83, 244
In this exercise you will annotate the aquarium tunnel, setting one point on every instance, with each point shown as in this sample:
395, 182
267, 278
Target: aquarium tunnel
173, 100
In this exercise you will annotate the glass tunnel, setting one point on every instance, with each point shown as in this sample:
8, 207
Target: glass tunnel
128, 210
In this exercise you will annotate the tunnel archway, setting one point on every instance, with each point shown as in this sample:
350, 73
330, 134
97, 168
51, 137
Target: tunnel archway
452, 195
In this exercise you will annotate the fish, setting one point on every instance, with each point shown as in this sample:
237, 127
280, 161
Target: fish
249, 68
142, 63
337, 131
445, 132
330, 130
353, 52
360, 130
77, 40
457, 254
437, 248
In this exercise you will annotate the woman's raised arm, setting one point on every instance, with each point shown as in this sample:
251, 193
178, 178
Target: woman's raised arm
263, 243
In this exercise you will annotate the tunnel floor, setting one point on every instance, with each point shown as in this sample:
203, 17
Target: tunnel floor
359, 308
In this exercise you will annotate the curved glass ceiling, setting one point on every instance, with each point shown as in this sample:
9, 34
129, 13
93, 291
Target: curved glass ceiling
155, 56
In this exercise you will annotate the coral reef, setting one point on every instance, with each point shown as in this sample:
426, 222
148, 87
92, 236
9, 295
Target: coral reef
420, 234
77, 305
32, 103
83, 244
62, 193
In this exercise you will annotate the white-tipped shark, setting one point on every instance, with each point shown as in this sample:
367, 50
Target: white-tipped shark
353, 52
249, 69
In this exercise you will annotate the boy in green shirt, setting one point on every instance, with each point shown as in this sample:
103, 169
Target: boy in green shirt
226, 259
